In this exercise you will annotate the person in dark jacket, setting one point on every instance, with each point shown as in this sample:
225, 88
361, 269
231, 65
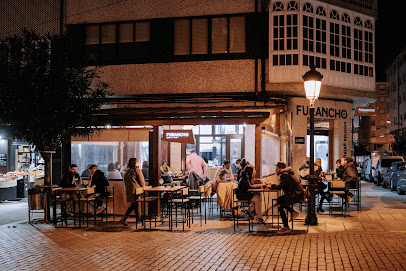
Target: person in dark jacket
321, 186
86, 172
70, 178
98, 179
350, 177
242, 193
293, 193
339, 168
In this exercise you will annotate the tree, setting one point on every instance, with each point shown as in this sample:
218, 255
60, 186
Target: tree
399, 143
44, 98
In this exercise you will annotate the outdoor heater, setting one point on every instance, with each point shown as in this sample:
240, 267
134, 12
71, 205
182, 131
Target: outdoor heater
312, 84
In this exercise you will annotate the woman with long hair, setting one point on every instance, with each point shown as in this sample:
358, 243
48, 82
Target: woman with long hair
242, 193
133, 179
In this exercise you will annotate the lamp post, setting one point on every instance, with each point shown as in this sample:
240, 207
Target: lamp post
312, 84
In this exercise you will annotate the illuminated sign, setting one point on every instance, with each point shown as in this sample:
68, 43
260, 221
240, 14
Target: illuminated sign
365, 111
180, 136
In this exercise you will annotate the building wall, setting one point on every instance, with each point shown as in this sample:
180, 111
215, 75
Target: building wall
338, 113
181, 77
88, 11
396, 88
42, 16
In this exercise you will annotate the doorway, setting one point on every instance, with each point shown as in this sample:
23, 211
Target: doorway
321, 148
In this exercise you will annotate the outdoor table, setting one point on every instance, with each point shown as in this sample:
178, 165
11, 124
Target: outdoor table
70, 191
161, 189
267, 204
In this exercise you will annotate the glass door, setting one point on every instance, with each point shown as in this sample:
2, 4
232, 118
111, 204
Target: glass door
213, 149
320, 149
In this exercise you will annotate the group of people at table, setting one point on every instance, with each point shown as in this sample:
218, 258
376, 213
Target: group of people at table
241, 172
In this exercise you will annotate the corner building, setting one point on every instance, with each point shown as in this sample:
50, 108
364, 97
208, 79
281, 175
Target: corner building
231, 71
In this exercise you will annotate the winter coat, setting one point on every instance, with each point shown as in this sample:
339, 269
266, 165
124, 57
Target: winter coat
350, 176
133, 179
100, 181
291, 186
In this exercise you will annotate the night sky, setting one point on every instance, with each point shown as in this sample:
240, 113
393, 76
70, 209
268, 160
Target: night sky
390, 34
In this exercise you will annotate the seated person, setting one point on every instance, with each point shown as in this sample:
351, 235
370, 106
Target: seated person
145, 170
321, 186
220, 178
236, 167
86, 172
100, 181
246, 181
166, 172
226, 166
70, 179
113, 173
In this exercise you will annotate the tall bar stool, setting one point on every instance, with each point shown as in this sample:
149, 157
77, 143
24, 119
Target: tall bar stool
184, 203
199, 199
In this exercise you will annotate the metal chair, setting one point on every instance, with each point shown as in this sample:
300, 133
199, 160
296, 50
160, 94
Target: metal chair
199, 199
183, 201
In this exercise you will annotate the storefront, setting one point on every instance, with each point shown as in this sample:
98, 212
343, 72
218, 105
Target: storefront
333, 135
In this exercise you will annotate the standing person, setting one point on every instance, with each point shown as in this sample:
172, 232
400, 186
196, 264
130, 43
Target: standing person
236, 167
350, 177
293, 193
242, 193
226, 166
98, 179
197, 168
133, 178
113, 173
166, 172
71, 178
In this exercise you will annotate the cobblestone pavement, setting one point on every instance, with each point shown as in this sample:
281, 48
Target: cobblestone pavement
373, 239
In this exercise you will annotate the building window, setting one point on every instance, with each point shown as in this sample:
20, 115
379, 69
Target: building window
291, 31
227, 36
278, 32
308, 37
92, 33
346, 41
319, 62
278, 6
373, 123
368, 47
285, 60
358, 21
307, 7
334, 15
142, 32
340, 66
346, 18
334, 39
321, 11
321, 36
200, 36
126, 33
368, 24
358, 45
292, 5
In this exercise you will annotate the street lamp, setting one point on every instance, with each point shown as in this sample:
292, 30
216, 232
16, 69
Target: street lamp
312, 84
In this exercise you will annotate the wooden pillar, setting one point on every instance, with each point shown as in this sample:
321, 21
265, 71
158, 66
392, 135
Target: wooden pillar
155, 154
258, 149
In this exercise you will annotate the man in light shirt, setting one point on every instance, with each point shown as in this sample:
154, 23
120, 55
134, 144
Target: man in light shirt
226, 166
197, 168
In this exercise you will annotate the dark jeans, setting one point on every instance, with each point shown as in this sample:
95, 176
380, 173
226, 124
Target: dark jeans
282, 206
133, 206
323, 194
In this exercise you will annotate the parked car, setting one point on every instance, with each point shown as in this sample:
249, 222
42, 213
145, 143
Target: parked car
401, 184
390, 177
383, 165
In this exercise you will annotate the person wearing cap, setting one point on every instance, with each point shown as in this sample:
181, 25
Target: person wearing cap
227, 167
242, 193
166, 172
293, 193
